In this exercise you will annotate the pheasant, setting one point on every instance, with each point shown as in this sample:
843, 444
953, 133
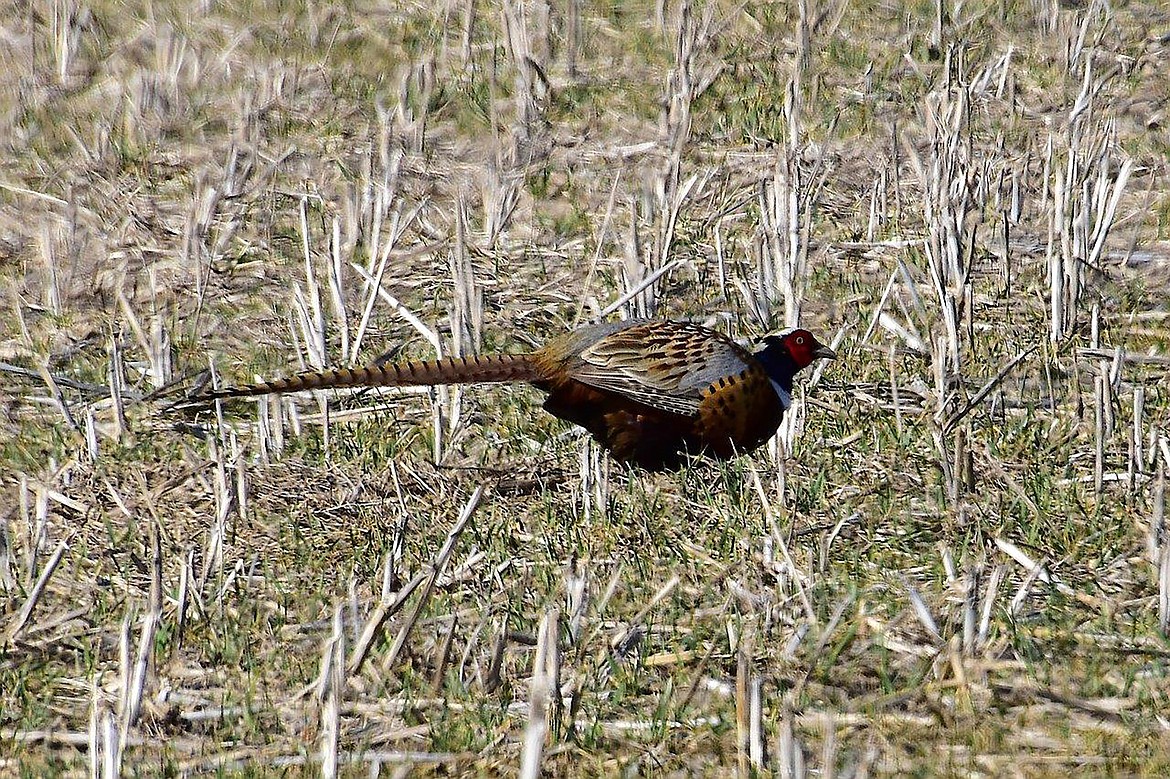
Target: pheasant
649, 391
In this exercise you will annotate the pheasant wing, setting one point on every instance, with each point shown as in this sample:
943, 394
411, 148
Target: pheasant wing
649, 383
664, 365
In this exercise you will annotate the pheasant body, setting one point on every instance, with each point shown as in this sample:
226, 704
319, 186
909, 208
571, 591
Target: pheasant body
650, 391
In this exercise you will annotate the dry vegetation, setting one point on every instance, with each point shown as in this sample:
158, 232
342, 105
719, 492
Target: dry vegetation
953, 561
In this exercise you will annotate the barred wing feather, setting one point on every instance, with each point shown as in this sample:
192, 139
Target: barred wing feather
653, 365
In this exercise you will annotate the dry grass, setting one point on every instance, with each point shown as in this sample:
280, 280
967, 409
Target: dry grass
953, 561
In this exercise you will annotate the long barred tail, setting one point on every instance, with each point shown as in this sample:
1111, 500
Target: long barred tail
449, 370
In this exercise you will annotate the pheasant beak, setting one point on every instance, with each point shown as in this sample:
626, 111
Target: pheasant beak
823, 352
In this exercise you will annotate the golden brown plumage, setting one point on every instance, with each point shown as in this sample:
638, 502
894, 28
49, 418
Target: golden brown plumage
649, 391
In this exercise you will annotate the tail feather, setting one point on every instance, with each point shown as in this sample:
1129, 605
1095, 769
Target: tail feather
449, 370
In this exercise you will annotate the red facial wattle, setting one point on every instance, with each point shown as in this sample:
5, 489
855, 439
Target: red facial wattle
800, 345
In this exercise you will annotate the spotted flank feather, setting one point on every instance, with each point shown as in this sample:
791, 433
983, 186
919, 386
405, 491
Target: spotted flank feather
739, 412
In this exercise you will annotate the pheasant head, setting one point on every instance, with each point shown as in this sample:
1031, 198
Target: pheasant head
785, 354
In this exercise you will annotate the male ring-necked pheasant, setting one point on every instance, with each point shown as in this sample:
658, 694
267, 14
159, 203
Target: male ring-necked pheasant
648, 390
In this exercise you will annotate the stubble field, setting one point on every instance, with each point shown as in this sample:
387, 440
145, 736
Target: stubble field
952, 561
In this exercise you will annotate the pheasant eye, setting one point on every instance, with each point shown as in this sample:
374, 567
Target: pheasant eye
800, 339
